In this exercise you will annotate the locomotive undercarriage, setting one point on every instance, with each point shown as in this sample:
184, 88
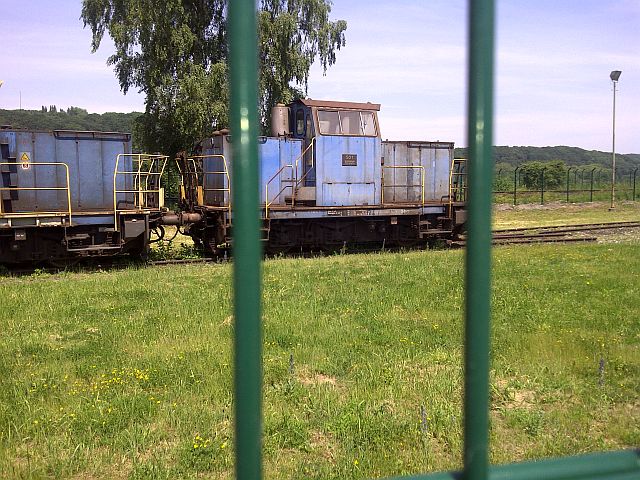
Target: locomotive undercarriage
66, 245
326, 234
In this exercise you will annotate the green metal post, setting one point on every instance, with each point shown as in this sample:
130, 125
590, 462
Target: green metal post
478, 259
246, 239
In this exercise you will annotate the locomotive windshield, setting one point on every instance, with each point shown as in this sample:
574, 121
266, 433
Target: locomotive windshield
347, 122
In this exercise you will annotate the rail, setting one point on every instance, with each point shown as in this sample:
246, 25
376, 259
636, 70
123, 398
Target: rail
295, 181
405, 185
268, 203
224, 173
299, 181
36, 213
193, 172
145, 168
189, 176
457, 181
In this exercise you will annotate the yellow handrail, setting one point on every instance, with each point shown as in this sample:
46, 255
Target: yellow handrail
205, 173
461, 161
294, 179
298, 182
140, 176
421, 184
27, 165
267, 204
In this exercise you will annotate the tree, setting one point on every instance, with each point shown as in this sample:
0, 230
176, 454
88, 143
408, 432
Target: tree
175, 53
554, 173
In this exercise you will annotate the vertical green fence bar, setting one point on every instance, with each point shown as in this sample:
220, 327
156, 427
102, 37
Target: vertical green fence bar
246, 239
478, 259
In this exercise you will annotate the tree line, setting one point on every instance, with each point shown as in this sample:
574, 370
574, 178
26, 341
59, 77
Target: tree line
508, 158
73, 118
531, 160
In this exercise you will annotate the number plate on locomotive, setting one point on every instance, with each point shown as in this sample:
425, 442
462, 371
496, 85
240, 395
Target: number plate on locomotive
349, 160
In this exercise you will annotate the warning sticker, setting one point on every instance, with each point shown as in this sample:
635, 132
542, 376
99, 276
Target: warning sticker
25, 158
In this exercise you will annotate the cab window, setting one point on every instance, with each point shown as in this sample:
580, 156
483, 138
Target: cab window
329, 122
368, 123
300, 122
347, 122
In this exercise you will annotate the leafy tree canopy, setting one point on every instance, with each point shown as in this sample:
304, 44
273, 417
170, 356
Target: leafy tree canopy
554, 173
175, 52
73, 118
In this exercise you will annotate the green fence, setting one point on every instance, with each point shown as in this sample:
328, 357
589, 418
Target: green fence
247, 271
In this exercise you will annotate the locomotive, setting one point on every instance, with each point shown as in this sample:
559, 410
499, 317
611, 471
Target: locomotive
67, 195
328, 180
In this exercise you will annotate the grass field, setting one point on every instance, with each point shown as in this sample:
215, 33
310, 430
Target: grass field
529, 215
127, 374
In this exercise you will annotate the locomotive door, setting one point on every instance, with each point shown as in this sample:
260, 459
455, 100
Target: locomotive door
309, 169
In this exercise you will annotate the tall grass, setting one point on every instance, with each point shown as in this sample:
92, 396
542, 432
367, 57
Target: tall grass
127, 374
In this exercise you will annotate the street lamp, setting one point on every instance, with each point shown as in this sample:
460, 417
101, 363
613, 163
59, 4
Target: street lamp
614, 76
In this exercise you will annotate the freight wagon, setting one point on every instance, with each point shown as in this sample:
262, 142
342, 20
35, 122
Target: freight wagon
328, 180
65, 195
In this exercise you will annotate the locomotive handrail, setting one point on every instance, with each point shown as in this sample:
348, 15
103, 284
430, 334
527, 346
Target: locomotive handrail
224, 172
267, 203
26, 166
421, 184
299, 181
192, 173
462, 184
140, 176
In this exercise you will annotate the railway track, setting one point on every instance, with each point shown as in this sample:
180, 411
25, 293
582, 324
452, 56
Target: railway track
569, 228
550, 234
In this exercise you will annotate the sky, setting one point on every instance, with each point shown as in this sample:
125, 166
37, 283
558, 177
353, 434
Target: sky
553, 60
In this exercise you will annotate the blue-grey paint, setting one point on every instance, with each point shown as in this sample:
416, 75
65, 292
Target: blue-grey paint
434, 157
338, 184
91, 158
274, 153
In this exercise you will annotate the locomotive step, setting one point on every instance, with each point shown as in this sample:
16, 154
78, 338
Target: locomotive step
94, 248
430, 233
299, 201
77, 236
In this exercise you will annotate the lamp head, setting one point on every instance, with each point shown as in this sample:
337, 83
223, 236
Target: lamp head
615, 75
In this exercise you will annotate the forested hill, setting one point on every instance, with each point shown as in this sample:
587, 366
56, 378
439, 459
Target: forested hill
508, 158
73, 118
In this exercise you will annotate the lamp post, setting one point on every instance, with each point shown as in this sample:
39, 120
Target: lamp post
614, 76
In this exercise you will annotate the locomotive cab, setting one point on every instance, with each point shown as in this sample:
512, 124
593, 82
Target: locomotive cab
342, 152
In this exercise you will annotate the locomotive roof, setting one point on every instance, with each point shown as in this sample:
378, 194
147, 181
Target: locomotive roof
333, 104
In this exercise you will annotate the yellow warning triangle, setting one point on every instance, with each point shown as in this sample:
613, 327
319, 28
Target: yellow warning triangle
24, 157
